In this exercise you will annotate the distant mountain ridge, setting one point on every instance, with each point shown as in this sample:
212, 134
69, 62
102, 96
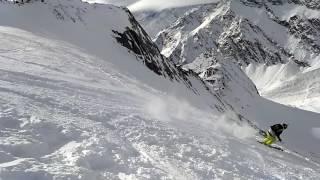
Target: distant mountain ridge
227, 28
250, 32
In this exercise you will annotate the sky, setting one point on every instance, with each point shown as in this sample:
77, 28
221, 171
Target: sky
139, 5
162, 4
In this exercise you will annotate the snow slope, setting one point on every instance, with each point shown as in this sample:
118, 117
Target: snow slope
77, 104
66, 114
288, 84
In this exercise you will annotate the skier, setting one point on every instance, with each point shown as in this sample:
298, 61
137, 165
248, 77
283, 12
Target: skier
274, 133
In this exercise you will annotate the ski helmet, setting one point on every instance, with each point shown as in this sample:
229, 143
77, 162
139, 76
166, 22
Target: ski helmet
285, 125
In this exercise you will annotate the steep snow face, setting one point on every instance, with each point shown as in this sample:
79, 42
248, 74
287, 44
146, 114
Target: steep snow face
77, 22
287, 84
259, 33
79, 101
66, 114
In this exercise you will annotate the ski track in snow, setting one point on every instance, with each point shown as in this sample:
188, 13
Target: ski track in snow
67, 115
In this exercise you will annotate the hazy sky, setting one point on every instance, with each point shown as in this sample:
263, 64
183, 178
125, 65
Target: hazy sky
136, 5
116, 2
162, 4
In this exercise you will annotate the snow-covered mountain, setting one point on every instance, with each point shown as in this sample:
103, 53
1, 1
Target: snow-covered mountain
155, 21
246, 30
280, 36
86, 94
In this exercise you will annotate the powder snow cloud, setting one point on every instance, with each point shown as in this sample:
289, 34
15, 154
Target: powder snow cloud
179, 112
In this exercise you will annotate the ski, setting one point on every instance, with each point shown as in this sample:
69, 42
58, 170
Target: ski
273, 147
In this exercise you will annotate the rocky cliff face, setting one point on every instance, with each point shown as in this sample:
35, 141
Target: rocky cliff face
208, 38
241, 34
225, 78
138, 42
249, 31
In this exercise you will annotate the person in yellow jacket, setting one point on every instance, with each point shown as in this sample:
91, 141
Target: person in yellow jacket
274, 133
